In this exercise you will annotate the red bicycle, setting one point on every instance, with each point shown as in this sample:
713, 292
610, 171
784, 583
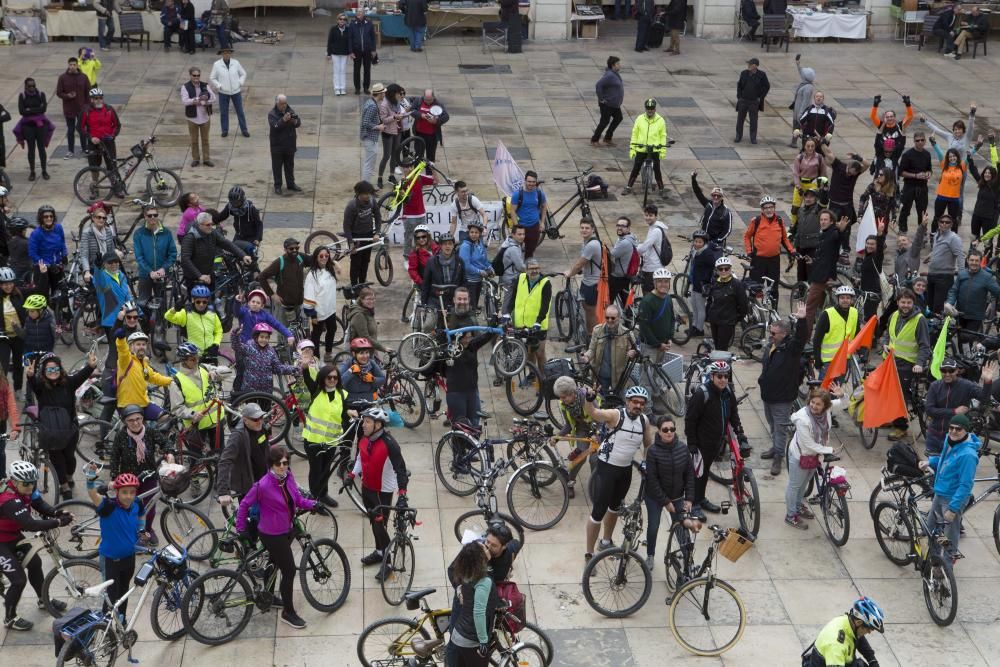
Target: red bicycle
740, 478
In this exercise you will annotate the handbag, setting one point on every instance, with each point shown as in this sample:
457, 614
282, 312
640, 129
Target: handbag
809, 461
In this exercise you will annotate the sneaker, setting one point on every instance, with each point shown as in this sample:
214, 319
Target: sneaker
374, 558
605, 544
383, 572
69, 156
796, 522
595, 142
195, 163
18, 623
650, 562
292, 619
627, 190
58, 605
328, 501
805, 512
208, 163
225, 134
245, 134
775, 467
610, 142
769, 454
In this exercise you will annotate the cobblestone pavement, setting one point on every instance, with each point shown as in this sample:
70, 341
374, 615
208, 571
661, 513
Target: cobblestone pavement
540, 104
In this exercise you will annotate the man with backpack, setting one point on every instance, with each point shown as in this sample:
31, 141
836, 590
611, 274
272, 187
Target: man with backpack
950, 396
528, 208
288, 273
763, 239
508, 263
589, 263
655, 251
625, 261
468, 211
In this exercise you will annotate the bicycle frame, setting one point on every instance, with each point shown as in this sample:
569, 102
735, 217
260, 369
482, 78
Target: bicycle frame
736, 463
577, 200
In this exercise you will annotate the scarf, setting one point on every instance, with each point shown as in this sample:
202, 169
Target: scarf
281, 478
140, 443
820, 426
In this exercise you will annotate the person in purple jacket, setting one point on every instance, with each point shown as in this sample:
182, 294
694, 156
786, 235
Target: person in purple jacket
277, 496
253, 313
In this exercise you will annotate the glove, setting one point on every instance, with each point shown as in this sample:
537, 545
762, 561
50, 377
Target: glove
484, 650
350, 477
877, 100
367, 377
64, 518
212, 351
906, 100
402, 502
355, 369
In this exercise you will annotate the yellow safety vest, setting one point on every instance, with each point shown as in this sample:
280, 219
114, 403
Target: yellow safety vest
194, 397
325, 417
904, 343
527, 303
839, 331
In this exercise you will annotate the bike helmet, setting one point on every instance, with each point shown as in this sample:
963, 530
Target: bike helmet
377, 413
237, 200
662, 274
187, 350
262, 328
477, 223
767, 199
17, 225
201, 292
257, 292
3, 191
358, 344
869, 613
719, 368
137, 336
421, 228
7, 275
723, 261
700, 235
844, 290
949, 363
650, 103
304, 344
131, 307
47, 357
126, 479
23, 471
446, 238
130, 410
43, 209
35, 302
637, 392
96, 92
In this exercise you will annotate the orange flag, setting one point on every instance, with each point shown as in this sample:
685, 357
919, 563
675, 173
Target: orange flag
865, 337
884, 400
837, 366
603, 293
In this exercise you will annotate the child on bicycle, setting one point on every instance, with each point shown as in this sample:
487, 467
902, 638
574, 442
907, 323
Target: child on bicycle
201, 325
17, 499
121, 517
260, 361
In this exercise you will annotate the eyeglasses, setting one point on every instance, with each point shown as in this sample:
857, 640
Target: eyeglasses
53, 369
195, 76
609, 319
956, 428
621, 226
668, 429
131, 317
134, 420
98, 217
281, 464
200, 302
724, 269
152, 215
919, 140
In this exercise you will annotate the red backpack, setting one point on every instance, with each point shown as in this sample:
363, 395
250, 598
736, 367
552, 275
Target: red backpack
634, 262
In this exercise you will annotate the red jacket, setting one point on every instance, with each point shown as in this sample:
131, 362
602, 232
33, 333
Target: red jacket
101, 123
15, 514
418, 260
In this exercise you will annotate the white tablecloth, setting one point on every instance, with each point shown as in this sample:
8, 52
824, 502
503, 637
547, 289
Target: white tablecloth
818, 24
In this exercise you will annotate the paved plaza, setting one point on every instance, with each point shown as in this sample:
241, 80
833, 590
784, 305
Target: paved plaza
541, 105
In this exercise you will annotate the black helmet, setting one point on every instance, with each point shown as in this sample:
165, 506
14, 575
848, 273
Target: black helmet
237, 200
42, 210
17, 225
650, 103
700, 234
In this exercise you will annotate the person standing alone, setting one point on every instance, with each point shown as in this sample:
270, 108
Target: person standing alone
228, 77
72, 89
337, 50
361, 44
197, 98
751, 90
610, 94
282, 122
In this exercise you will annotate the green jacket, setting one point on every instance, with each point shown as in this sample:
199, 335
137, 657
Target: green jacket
646, 132
656, 320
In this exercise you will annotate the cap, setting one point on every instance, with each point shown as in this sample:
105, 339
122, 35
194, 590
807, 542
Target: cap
961, 420
949, 362
225, 49
753, 61
289, 242
252, 411
377, 88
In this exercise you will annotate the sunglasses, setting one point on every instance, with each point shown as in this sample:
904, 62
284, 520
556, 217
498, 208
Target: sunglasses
919, 140
152, 215
716, 196
332, 376
668, 429
956, 428
422, 237
622, 226
131, 317
610, 319
98, 217
53, 369
949, 370
195, 76
282, 464
292, 249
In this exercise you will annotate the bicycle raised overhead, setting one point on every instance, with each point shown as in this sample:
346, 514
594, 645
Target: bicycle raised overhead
93, 184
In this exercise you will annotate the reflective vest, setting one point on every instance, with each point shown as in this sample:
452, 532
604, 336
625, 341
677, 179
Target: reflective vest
904, 343
839, 331
194, 397
527, 303
325, 417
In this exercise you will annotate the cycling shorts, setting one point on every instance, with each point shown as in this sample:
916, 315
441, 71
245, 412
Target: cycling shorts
611, 487
589, 294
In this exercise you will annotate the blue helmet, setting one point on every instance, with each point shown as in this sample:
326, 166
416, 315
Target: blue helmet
187, 350
201, 292
869, 613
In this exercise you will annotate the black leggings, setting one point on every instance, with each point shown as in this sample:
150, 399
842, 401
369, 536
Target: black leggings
390, 142
954, 208
64, 460
120, 571
11, 567
330, 326
318, 456
11, 351
982, 224
701, 483
279, 547
359, 265
373, 499
722, 335
463, 656
637, 167
612, 485
34, 138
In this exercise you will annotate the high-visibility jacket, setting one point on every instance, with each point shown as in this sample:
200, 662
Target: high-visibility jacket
904, 343
196, 399
838, 331
528, 303
649, 132
324, 421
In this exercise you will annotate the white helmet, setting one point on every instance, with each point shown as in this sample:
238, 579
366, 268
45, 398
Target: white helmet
3, 191
723, 261
421, 228
376, 413
767, 199
662, 274
23, 471
844, 290
138, 335
7, 275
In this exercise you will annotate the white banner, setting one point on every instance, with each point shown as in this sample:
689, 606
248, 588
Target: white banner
866, 228
439, 220
506, 174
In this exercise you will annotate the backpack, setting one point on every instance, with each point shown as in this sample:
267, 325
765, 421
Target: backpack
902, 460
607, 435
665, 251
281, 266
497, 263
634, 262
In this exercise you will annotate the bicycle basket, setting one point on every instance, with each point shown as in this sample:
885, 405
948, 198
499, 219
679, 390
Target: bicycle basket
736, 543
138, 151
174, 484
71, 625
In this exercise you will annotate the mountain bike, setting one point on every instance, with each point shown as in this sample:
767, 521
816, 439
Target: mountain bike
647, 173
64, 584
578, 200
340, 248
399, 560
616, 581
93, 184
391, 203
571, 322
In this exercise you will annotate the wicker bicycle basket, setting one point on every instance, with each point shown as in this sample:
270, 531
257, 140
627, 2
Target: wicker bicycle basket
735, 544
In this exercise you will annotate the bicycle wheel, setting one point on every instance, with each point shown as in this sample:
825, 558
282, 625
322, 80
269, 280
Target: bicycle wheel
99, 648
893, 533
748, 508
95, 440
210, 540
217, 606
563, 314
318, 238
721, 469
277, 418
477, 521
996, 528
797, 295
555, 414
868, 435
81, 538
164, 186
87, 328
532, 634
525, 655
836, 516
325, 575
647, 182
389, 642
389, 207
411, 149
675, 558
752, 342
410, 307
665, 392
682, 320
458, 461
383, 267
707, 616
681, 286
93, 184
524, 390
202, 473
399, 566
410, 404
523, 452
538, 495
940, 589
616, 583
180, 524
417, 352
66, 583
509, 356
320, 523
165, 611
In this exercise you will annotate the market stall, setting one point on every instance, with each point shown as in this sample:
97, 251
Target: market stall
842, 24
258, 4
461, 15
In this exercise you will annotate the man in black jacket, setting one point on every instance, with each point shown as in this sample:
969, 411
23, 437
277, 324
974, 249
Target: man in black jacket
361, 34
282, 122
676, 18
824, 264
716, 219
950, 396
779, 381
244, 460
201, 245
645, 10
751, 90
669, 481
444, 268
362, 220
415, 18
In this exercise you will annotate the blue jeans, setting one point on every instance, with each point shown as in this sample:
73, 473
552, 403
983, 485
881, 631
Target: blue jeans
798, 482
72, 130
653, 512
463, 405
623, 9
105, 32
417, 38
224, 111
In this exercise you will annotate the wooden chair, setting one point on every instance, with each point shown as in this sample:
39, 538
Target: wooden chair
130, 25
927, 32
775, 27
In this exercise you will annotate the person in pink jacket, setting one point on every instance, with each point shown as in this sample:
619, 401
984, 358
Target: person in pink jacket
277, 497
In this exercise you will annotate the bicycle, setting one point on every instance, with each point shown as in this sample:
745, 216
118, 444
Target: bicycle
121, 237
648, 166
218, 605
400, 641
707, 615
399, 560
571, 323
740, 478
340, 248
94, 638
391, 203
578, 200
621, 569
93, 184
832, 493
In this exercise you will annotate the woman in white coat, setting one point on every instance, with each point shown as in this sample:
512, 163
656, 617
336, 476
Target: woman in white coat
805, 453
320, 300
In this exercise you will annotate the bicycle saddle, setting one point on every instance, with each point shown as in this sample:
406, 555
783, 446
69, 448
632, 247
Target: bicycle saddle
830, 458
425, 647
96, 591
413, 597
444, 288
